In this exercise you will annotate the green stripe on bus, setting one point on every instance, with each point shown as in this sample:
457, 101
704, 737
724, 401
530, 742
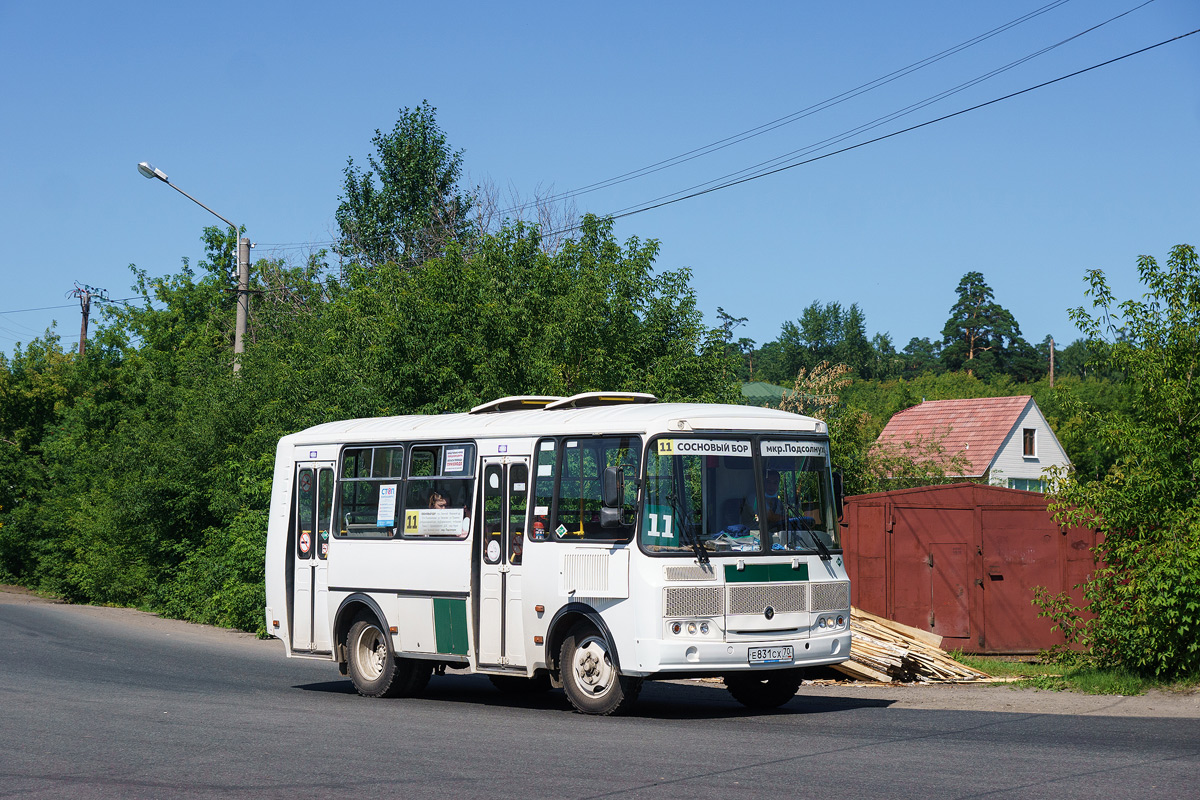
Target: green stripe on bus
765, 573
450, 625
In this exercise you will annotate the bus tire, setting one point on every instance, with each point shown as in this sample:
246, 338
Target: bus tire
369, 659
519, 684
764, 690
590, 676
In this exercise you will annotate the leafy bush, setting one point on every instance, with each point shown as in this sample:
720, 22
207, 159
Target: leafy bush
1146, 597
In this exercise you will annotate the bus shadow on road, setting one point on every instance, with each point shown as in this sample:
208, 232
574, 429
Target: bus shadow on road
666, 700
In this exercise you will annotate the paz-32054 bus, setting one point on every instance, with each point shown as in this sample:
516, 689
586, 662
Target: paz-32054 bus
588, 542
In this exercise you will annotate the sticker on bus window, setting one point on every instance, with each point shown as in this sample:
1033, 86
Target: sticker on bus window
541, 511
703, 447
658, 526
545, 470
412, 522
519, 487
793, 448
385, 517
454, 460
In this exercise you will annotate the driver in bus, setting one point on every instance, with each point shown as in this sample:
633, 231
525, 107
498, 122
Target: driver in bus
776, 514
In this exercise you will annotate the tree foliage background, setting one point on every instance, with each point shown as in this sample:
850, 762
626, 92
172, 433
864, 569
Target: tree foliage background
1145, 599
140, 473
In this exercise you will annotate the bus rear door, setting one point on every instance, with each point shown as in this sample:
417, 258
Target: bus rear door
311, 520
501, 550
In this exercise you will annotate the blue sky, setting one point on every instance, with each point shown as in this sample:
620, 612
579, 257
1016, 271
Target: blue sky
253, 108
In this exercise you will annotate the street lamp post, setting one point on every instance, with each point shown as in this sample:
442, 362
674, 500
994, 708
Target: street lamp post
148, 170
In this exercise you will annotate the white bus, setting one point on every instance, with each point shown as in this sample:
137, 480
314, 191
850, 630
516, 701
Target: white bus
588, 542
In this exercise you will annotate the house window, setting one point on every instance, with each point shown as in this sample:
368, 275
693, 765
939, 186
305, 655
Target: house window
1029, 442
1027, 484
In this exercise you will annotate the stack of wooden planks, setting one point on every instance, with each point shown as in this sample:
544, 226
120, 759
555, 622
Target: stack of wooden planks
887, 651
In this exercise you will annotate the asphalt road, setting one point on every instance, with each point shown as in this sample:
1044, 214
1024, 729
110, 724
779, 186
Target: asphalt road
114, 703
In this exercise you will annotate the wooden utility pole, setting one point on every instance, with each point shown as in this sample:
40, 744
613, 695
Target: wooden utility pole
86, 294
1051, 362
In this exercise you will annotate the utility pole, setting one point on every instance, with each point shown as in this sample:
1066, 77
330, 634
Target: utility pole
86, 294
1051, 362
243, 301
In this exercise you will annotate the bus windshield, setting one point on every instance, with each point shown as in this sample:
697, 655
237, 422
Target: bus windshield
738, 495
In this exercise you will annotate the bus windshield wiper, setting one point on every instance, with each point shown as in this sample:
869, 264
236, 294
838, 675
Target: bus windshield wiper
812, 534
824, 551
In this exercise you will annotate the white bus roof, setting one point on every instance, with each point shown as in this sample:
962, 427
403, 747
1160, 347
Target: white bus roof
640, 417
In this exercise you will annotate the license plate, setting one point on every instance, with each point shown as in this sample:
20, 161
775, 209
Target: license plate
771, 655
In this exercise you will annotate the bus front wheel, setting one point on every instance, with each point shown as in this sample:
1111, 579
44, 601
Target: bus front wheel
375, 670
590, 676
764, 689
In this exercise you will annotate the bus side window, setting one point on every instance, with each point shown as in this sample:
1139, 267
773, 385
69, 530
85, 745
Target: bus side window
578, 496
543, 494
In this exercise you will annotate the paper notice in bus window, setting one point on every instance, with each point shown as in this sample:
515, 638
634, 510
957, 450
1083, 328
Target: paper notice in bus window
385, 517
545, 470
454, 460
440, 522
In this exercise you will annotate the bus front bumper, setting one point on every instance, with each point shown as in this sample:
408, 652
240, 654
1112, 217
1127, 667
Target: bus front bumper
719, 657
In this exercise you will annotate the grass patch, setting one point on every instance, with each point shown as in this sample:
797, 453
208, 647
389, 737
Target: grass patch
1073, 678
1068, 677
1090, 680
1007, 668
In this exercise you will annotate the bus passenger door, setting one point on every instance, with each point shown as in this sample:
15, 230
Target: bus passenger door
311, 520
502, 541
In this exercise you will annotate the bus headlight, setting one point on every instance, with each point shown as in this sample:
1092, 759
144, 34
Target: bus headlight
704, 629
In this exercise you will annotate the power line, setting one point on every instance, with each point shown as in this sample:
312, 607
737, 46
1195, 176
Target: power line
43, 308
880, 121
766, 127
890, 135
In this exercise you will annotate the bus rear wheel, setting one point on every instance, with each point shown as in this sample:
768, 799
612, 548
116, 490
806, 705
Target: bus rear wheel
763, 690
374, 668
590, 676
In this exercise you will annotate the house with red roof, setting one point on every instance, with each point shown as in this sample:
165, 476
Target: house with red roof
1002, 441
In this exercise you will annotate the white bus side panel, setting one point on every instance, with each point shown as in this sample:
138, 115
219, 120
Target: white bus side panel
396, 573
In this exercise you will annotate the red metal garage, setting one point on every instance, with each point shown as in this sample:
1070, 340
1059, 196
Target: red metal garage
961, 561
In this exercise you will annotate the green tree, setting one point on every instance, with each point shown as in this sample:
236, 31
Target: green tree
1145, 595
407, 206
920, 356
980, 336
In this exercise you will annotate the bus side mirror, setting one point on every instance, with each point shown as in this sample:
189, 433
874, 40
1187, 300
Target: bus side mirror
610, 497
839, 493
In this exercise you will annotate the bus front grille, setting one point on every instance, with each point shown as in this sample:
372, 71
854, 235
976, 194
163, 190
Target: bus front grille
830, 596
783, 597
693, 601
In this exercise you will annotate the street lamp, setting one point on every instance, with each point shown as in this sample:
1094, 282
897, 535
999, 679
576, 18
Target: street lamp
148, 170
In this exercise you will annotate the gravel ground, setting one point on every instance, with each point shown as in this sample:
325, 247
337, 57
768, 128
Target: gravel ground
999, 697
